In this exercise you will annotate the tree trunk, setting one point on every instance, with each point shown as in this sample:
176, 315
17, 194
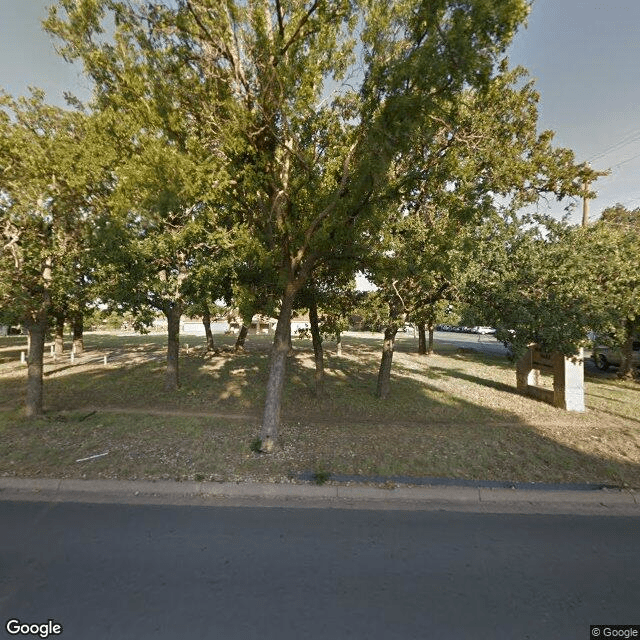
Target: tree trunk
626, 363
384, 374
244, 330
318, 354
430, 346
59, 335
78, 333
277, 367
37, 331
422, 339
338, 342
206, 321
172, 379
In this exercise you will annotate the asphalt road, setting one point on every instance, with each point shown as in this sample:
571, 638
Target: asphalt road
485, 343
184, 572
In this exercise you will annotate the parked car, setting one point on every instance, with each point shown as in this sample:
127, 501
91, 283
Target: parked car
604, 357
483, 330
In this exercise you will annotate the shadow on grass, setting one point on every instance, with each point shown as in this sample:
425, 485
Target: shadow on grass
616, 415
486, 382
420, 430
607, 398
227, 382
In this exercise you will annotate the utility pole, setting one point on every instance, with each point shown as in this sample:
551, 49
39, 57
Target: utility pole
585, 204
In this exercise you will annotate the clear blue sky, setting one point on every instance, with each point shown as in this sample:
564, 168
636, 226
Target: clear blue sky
585, 58
583, 54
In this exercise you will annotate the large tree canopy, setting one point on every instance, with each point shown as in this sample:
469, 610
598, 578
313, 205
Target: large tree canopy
613, 243
307, 154
480, 154
307, 113
166, 196
532, 280
53, 177
540, 280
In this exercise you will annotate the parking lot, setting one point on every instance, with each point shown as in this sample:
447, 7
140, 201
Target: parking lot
488, 344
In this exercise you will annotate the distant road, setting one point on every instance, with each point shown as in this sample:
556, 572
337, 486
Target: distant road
483, 343
486, 343
489, 344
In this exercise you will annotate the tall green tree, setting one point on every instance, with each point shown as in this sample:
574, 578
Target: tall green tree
330, 297
307, 166
532, 281
615, 278
171, 230
52, 176
481, 152
166, 197
312, 165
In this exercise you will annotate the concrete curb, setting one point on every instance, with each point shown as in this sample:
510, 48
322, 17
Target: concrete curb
481, 499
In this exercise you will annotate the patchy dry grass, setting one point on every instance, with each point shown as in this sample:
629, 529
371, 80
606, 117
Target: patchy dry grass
450, 415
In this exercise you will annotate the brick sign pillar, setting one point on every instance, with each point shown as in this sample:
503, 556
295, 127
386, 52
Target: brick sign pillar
568, 378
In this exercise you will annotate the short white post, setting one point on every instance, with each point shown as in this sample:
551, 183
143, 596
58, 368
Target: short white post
73, 357
22, 357
105, 360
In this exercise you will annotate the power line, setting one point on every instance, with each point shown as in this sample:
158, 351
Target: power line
619, 164
629, 138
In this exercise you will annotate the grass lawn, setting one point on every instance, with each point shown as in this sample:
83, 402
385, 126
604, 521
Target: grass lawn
449, 415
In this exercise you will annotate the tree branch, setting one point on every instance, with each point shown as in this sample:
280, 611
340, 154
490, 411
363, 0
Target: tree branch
304, 21
280, 19
315, 223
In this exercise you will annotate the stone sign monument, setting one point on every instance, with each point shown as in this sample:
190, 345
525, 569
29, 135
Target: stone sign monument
568, 378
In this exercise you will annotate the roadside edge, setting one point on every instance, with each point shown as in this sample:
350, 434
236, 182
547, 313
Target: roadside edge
480, 499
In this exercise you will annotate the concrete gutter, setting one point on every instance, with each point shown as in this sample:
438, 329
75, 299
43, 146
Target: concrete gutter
449, 498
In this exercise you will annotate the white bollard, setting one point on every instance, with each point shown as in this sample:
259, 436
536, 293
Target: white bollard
105, 360
22, 357
73, 357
